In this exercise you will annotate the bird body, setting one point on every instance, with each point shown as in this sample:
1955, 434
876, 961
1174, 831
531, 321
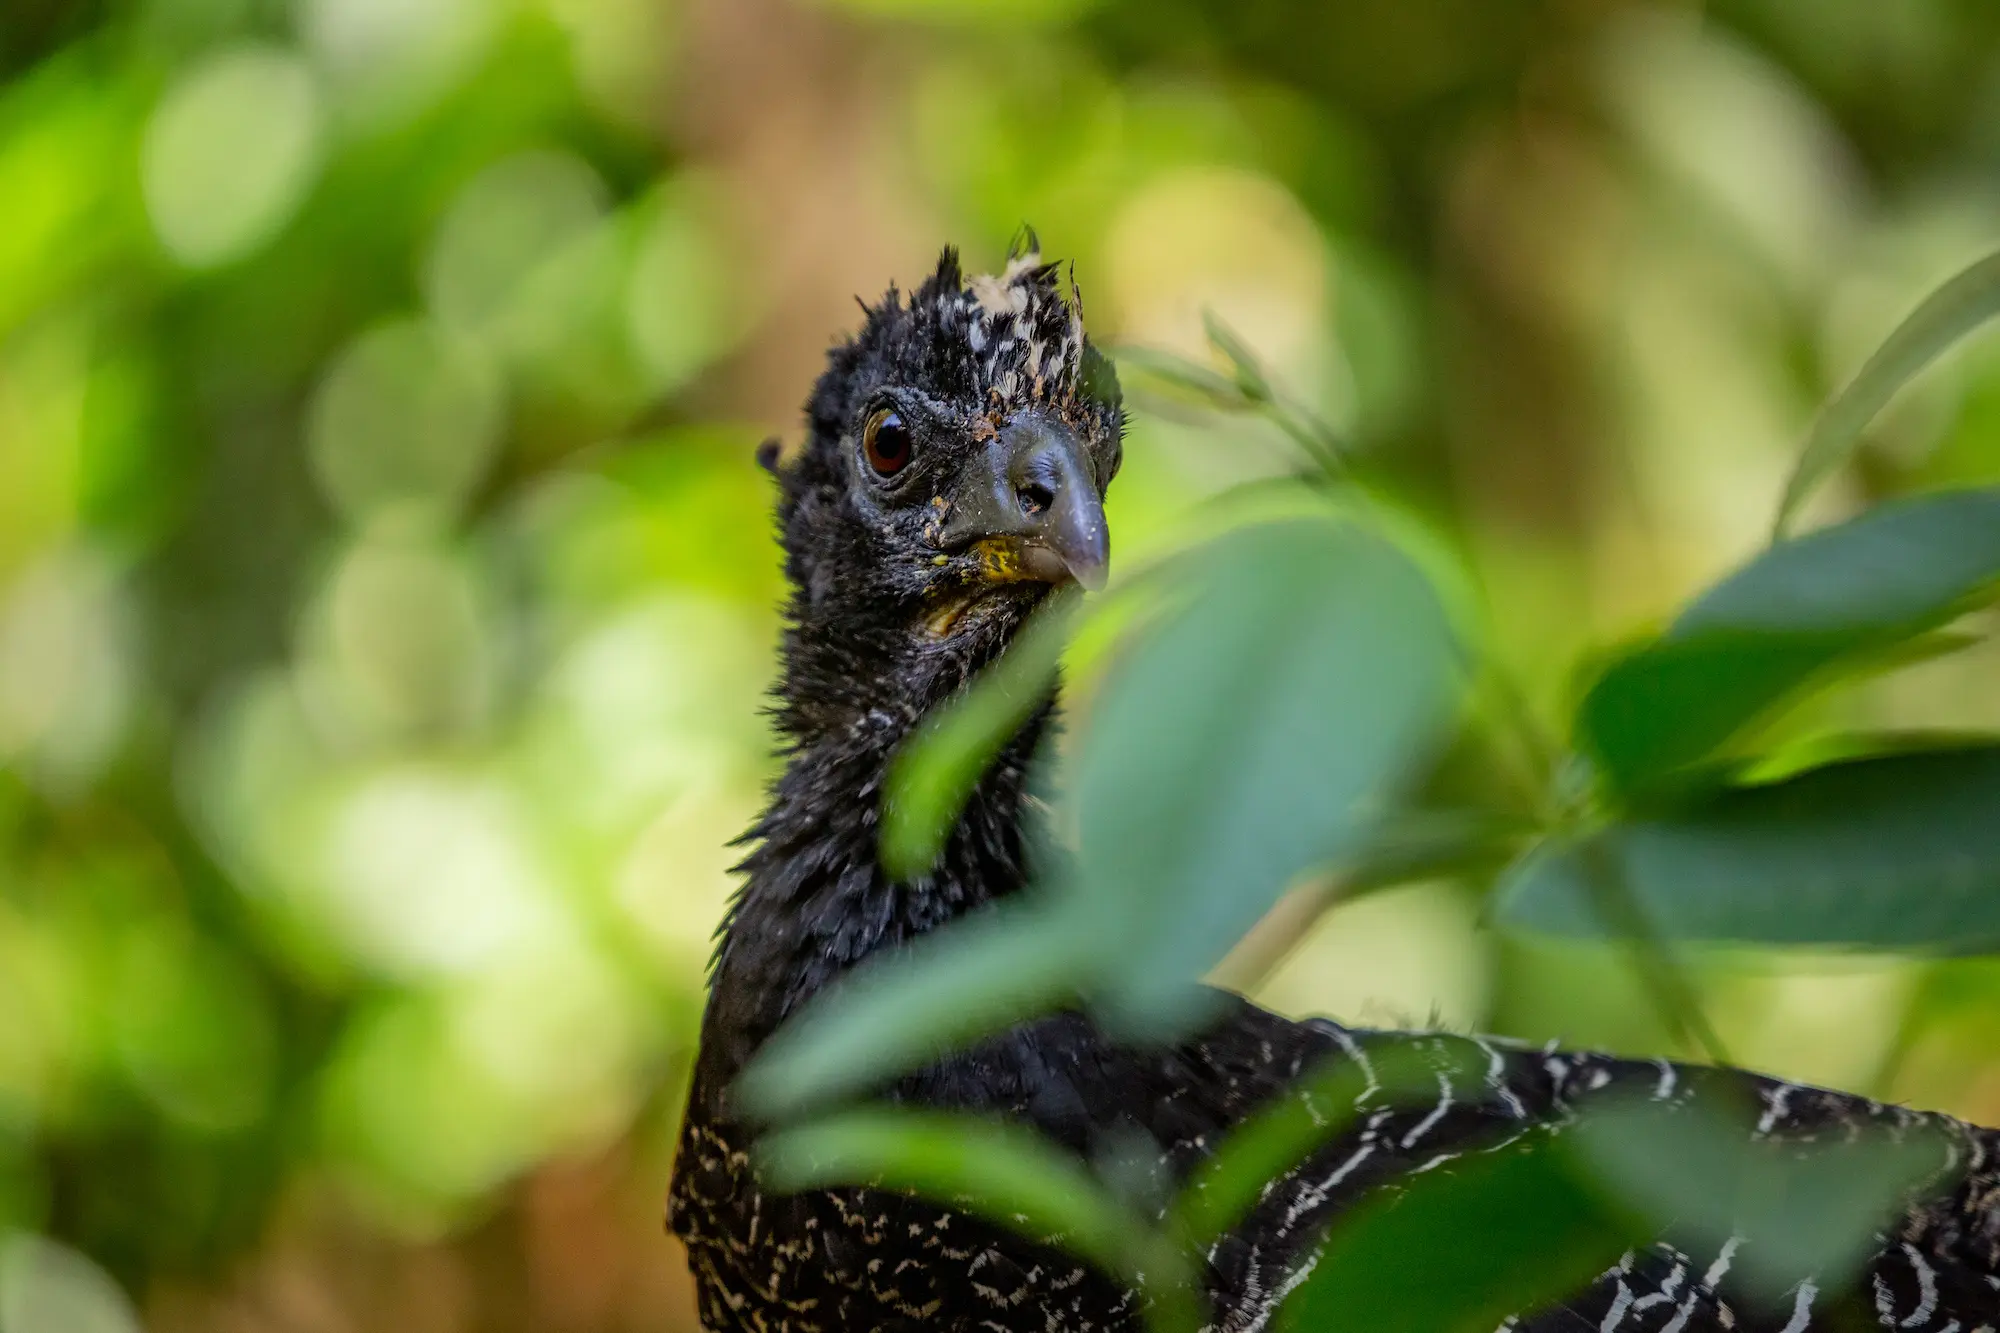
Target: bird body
958, 452
870, 1259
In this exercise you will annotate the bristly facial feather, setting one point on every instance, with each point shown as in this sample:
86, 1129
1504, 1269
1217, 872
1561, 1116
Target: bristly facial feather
952, 364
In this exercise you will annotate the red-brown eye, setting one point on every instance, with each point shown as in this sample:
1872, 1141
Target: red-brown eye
886, 441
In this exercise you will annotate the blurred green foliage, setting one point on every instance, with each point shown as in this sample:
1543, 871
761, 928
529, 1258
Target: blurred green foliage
386, 592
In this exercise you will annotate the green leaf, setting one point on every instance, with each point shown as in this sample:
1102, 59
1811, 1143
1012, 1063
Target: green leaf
1184, 378
1002, 1172
904, 1009
1961, 305
1316, 1110
1250, 378
1320, 587
1247, 389
1416, 845
1463, 1248
1893, 852
1803, 610
1809, 1209
937, 769
1321, 444
1822, 748
1005, 1173
1257, 734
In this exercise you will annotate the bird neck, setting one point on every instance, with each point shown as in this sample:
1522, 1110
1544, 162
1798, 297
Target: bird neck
815, 900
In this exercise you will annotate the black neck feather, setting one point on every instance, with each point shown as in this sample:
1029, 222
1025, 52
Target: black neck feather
815, 900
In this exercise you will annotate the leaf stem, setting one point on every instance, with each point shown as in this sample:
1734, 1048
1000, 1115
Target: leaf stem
1673, 993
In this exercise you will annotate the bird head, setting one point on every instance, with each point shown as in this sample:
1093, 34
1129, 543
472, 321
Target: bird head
958, 450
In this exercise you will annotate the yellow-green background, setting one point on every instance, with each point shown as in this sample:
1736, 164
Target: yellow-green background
386, 589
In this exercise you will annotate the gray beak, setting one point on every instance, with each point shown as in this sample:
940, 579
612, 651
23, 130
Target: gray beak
1028, 500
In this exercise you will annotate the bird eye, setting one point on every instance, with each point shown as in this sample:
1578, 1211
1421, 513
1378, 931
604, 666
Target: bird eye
886, 441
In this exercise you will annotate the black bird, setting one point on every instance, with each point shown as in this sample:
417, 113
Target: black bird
957, 454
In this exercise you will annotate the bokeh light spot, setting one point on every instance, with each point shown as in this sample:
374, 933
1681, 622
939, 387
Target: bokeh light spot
388, 59
655, 702
1222, 239
430, 872
557, 1029
676, 880
1739, 131
623, 52
401, 644
49, 1288
417, 1127
688, 303
406, 416
508, 220
232, 149
65, 674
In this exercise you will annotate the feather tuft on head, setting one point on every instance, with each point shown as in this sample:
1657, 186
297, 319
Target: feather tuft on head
1024, 333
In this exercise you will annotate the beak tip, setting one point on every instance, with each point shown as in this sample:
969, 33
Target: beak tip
1086, 552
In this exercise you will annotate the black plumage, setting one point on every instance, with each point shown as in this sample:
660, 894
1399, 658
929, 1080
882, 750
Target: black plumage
956, 458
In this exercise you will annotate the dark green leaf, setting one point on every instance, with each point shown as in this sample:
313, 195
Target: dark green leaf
1254, 736
1899, 563
1895, 852
1463, 1248
1835, 600
1808, 1210
1961, 305
937, 770
906, 1008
